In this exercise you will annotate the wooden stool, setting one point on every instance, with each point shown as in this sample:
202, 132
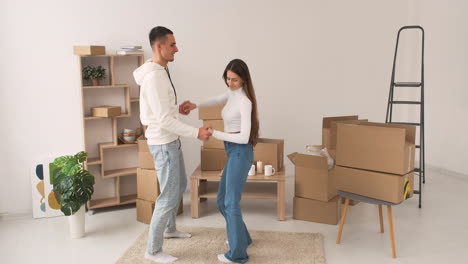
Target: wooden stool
351, 196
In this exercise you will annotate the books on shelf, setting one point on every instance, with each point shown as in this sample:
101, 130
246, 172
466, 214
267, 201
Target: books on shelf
129, 52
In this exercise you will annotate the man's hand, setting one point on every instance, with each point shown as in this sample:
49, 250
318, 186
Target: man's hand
204, 133
186, 107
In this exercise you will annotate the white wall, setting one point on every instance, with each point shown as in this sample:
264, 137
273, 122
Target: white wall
308, 59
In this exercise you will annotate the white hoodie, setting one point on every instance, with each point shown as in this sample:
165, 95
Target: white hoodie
158, 108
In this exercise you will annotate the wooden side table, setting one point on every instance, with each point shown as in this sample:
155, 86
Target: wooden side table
204, 185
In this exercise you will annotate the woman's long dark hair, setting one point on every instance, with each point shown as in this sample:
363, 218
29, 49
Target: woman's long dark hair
240, 68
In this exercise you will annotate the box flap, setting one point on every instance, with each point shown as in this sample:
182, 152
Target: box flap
308, 161
328, 120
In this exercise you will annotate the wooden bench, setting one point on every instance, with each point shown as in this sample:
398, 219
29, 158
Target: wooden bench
204, 185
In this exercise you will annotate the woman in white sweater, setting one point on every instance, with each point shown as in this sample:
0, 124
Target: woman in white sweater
241, 127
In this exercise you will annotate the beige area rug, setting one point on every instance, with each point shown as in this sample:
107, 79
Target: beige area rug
267, 247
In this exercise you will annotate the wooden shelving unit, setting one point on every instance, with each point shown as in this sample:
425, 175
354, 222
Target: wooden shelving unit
105, 152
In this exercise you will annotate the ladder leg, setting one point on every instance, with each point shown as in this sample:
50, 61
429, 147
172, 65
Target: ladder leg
343, 218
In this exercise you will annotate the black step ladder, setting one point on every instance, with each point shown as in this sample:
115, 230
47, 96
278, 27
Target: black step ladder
421, 147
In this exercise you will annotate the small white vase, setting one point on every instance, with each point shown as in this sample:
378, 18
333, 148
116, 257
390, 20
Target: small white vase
77, 223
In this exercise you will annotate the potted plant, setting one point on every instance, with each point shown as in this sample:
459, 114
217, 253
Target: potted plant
94, 74
74, 186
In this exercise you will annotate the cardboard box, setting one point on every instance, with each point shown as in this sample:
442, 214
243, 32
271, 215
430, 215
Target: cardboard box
313, 180
334, 129
106, 111
213, 142
210, 112
145, 210
147, 185
89, 50
213, 159
377, 185
326, 128
270, 151
317, 211
146, 160
377, 147
143, 144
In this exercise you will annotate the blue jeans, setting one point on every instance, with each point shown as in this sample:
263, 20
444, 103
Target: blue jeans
170, 169
240, 159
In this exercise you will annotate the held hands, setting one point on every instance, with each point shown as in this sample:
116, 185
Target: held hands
204, 133
186, 107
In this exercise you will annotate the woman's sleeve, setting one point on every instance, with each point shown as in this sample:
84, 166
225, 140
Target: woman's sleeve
215, 100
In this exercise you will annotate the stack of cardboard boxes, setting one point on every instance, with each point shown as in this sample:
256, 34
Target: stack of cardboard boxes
147, 184
372, 159
315, 192
213, 154
376, 160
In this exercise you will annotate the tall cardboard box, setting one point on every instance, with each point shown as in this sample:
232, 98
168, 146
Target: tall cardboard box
145, 210
313, 179
270, 151
213, 142
326, 128
145, 158
210, 112
317, 211
213, 159
381, 186
147, 185
377, 147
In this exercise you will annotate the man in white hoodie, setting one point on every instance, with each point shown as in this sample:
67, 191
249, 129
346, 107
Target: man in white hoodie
159, 111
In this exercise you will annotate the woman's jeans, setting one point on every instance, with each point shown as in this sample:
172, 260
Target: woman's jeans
240, 159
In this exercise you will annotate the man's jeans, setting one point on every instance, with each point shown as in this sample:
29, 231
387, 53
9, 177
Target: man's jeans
169, 164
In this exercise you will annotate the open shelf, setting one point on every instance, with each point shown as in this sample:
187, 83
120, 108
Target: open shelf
93, 161
128, 199
252, 190
113, 55
100, 203
119, 172
98, 117
106, 86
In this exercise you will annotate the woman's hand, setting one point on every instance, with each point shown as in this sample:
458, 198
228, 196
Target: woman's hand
186, 107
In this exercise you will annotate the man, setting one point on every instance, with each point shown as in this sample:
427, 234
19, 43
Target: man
159, 111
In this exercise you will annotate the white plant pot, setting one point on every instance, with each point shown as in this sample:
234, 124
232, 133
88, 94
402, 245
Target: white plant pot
77, 223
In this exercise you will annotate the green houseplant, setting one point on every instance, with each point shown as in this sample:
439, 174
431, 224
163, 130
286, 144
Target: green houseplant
94, 74
74, 186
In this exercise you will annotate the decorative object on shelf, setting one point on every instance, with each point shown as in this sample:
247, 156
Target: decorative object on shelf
129, 136
106, 111
74, 186
94, 74
89, 50
127, 50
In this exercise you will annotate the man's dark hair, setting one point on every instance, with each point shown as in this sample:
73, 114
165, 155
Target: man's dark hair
159, 34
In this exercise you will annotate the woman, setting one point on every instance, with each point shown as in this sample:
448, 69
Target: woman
241, 127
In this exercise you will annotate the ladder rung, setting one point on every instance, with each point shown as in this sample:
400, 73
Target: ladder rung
405, 102
407, 84
406, 123
418, 170
416, 192
418, 146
